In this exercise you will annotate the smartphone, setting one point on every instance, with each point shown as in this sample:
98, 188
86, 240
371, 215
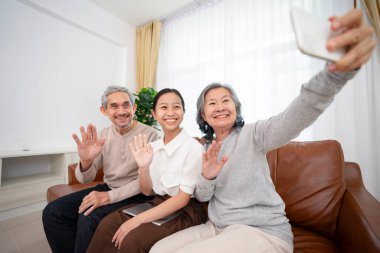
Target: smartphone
312, 33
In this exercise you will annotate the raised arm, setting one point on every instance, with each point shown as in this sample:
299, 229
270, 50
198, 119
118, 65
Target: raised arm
319, 92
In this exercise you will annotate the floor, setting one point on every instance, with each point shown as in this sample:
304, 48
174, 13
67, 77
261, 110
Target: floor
23, 234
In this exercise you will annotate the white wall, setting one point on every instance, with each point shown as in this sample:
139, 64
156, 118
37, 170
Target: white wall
56, 58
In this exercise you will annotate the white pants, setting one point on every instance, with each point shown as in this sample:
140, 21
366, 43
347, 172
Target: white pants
209, 238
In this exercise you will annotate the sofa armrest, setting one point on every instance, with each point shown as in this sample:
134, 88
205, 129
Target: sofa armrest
73, 180
359, 219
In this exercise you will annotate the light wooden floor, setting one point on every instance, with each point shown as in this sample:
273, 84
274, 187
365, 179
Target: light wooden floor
23, 234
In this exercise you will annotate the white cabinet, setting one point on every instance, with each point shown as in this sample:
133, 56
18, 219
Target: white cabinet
26, 175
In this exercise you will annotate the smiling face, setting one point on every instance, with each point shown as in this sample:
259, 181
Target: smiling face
169, 112
120, 111
219, 109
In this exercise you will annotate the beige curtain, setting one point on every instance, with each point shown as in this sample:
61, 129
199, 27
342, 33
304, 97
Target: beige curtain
147, 45
372, 7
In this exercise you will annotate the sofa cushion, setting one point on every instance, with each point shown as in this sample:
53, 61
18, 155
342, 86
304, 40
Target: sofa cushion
310, 242
309, 178
60, 190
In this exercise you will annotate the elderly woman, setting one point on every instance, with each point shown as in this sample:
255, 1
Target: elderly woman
245, 212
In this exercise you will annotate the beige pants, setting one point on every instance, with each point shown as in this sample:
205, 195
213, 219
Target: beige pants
209, 238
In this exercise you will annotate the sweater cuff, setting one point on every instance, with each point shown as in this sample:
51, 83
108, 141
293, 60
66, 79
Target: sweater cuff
341, 77
111, 195
205, 182
83, 177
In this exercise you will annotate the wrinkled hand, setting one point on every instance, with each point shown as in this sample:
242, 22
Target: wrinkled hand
90, 146
124, 230
142, 151
356, 37
210, 165
92, 201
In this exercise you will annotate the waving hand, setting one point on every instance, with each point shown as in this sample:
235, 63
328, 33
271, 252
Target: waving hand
210, 164
89, 147
142, 151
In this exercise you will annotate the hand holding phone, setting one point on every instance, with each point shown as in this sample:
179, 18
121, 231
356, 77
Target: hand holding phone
312, 33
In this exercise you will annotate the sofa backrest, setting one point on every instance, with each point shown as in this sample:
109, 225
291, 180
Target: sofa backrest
309, 178
73, 180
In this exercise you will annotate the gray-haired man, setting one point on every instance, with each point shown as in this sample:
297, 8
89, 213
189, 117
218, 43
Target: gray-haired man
70, 221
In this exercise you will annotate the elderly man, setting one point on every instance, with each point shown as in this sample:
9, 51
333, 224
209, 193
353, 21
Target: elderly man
70, 221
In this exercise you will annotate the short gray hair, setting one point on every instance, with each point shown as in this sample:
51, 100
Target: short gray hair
112, 89
203, 125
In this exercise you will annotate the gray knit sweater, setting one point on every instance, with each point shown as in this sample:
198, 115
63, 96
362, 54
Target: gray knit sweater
243, 192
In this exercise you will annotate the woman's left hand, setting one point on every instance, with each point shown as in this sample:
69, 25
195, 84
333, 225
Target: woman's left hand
356, 37
124, 229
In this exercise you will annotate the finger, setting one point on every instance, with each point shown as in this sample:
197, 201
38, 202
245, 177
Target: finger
132, 149
145, 141
115, 236
209, 152
349, 20
136, 143
120, 239
89, 210
223, 161
356, 56
204, 159
102, 141
76, 139
89, 132
332, 18
83, 134
82, 207
118, 243
140, 141
349, 38
211, 149
94, 134
217, 149
216, 153
360, 61
214, 149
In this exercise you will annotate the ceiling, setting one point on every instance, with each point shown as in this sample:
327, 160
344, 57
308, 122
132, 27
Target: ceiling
139, 12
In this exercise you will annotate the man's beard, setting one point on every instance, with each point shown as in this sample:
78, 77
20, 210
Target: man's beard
128, 124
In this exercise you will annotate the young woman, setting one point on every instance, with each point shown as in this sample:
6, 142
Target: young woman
169, 168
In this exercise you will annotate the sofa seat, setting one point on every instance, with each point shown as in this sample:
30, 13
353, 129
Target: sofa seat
72, 185
311, 242
63, 189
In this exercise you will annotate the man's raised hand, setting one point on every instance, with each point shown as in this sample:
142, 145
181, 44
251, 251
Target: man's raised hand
89, 147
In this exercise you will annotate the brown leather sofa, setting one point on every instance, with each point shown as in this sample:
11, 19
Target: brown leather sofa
326, 201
